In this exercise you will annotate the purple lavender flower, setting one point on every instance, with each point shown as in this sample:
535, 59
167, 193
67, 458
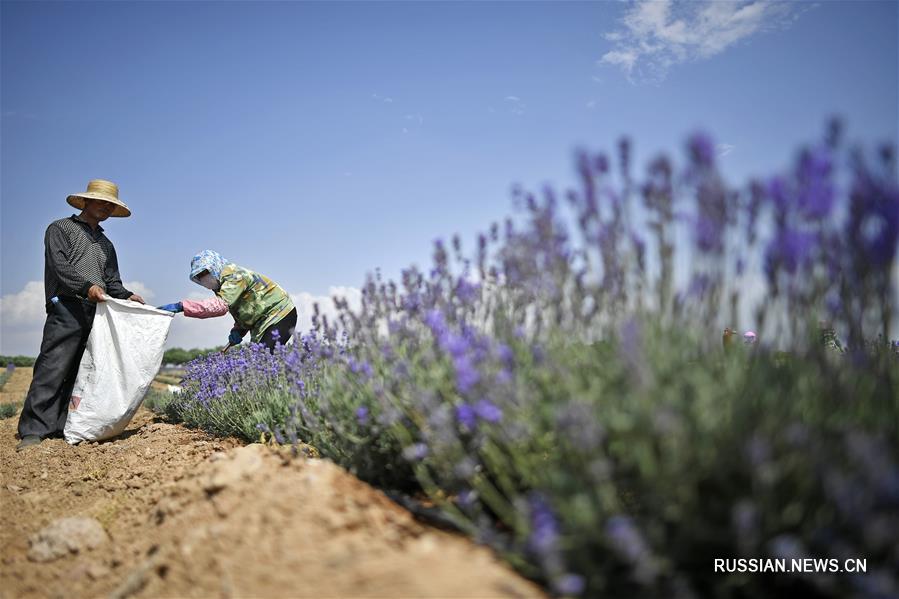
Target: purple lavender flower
601, 163
506, 355
816, 192
440, 257
467, 497
789, 250
569, 584
544, 537
873, 224
577, 422
701, 150
415, 452
699, 285
834, 305
709, 234
787, 547
466, 416
758, 451
455, 345
744, 516
434, 319
279, 438
467, 375
411, 303
626, 539
362, 415
488, 411
779, 194
389, 416
466, 291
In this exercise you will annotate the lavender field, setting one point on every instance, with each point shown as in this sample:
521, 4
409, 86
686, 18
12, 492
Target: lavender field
561, 388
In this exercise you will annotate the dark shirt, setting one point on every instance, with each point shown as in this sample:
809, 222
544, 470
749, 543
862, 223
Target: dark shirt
77, 257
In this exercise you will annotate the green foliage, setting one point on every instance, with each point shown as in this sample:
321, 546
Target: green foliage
231, 416
157, 401
16, 360
8, 410
177, 355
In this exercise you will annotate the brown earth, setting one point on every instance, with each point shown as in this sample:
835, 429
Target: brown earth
192, 516
16, 386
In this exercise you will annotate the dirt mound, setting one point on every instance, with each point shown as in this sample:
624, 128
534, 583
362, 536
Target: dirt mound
191, 516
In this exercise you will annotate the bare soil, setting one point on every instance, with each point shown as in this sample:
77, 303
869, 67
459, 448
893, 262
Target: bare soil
192, 516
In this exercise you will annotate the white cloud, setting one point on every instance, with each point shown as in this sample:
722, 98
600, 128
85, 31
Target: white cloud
24, 307
192, 332
656, 35
305, 302
516, 105
626, 59
413, 123
724, 149
140, 289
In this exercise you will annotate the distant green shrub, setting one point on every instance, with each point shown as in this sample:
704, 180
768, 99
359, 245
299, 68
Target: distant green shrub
8, 410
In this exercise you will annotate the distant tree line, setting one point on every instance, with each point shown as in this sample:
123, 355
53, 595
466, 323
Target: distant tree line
16, 360
177, 355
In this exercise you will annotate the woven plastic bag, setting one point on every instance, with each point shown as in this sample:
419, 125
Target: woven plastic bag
123, 355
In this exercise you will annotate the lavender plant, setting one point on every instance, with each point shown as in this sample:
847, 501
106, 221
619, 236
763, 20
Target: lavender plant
562, 392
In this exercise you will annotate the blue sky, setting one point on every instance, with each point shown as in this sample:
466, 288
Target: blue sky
317, 141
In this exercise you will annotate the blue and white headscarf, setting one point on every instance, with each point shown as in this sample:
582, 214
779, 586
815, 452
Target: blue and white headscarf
207, 260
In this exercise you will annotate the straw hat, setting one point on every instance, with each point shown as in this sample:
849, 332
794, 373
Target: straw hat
100, 189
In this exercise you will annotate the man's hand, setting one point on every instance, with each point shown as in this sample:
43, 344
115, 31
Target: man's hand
95, 294
136, 298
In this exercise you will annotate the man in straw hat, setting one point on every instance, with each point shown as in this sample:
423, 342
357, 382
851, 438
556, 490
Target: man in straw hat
80, 269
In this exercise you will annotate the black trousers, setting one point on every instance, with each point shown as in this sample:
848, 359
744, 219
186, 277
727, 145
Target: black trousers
285, 328
46, 406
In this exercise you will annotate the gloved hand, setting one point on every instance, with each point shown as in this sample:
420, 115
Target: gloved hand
176, 307
236, 336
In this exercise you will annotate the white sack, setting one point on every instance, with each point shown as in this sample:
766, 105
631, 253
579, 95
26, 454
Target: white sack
123, 355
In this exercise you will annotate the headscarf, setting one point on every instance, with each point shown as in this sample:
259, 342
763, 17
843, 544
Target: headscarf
207, 260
